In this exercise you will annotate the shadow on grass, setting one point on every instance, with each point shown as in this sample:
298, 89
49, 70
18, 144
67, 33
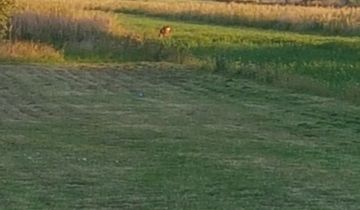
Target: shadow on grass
125, 48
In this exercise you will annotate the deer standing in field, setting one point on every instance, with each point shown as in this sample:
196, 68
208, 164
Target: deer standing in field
165, 31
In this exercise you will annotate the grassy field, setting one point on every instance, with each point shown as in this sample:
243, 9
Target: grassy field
306, 61
243, 107
161, 136
322, 65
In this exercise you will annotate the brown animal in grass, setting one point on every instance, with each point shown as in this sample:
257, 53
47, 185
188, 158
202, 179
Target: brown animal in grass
165, 31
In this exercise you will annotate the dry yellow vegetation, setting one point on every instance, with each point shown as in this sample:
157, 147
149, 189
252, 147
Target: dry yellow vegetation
332, 20
28, 51
71, 16
60, 20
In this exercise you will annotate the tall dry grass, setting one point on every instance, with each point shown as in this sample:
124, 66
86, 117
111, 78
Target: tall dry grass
345, 21
59, 21
55, 27
28, 51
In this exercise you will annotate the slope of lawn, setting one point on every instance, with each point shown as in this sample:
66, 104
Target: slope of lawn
158, 136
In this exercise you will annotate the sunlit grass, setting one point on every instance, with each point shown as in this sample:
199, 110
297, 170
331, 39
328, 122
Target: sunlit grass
59, 22
29, 52
79, 32
329, 20
197, 129
269, 56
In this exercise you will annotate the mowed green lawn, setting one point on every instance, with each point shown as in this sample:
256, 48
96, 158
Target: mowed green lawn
160, 136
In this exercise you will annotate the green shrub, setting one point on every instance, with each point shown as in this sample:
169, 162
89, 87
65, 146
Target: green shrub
6, 7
